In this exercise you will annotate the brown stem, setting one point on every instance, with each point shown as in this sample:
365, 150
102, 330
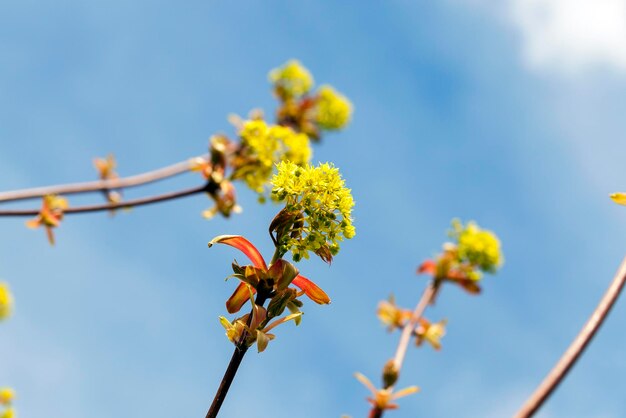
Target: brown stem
110, 206
229, 376
573, 353
405, 337
410, 326
376, 413
240, 350
100, 185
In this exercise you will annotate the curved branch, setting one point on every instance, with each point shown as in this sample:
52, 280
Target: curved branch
410, 326
405, 337
573, 353
101, 185
110, 206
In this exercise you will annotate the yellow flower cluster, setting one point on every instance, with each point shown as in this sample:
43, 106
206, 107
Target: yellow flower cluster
334, 110
6, 398
265, 146
476, 246
291, 80
6, 301
319, 196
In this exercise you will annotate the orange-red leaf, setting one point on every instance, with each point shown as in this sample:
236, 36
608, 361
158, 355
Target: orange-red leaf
428, 266
242, 245
240, 296
312, 290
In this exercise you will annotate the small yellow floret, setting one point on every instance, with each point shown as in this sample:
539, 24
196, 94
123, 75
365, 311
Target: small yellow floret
292, 79
334, 110
6, 303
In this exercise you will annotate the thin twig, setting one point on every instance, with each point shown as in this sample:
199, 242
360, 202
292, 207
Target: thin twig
240, 350
573, 353
405, 337
376, 413
101, 185
410, 326
111, 206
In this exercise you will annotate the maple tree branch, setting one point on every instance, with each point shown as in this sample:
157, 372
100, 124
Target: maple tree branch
575, 350
101, 185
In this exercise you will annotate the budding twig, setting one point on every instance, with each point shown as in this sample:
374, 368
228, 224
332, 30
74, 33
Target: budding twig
110, 206
410, 326
575, 350
405, 337
235, 361
100, 185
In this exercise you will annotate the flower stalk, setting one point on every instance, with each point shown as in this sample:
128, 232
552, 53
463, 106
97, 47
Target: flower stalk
235, 361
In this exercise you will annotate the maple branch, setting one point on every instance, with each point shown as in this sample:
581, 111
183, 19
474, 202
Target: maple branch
208, 188
575, 350
101, 185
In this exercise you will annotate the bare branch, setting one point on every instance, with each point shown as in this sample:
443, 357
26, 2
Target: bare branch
573, 353
101, 185
111, 206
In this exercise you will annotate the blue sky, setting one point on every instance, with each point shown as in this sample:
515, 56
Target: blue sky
509, 113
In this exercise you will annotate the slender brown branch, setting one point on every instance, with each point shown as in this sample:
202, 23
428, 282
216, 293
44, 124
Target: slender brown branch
405, 337
376, 413
410, 326
227, 380
573, 353
100, 185
235, 361
110, 206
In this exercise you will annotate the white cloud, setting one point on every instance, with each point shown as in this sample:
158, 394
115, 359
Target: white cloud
572, 36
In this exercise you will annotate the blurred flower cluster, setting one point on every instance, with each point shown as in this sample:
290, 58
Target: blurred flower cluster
260, 146
6, 301
6, 394
306, 111
474, 251
6, 399
50, 215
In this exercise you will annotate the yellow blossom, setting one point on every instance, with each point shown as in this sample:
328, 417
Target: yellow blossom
318, 208
334, 110
476, 246
6, 396
264, 146
619, 198
291, 80
8, 413
6, 305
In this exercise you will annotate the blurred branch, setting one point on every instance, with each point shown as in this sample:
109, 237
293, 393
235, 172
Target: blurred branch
405, 337
101, 185
111, 206
410, 326
573, 353
235, 361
